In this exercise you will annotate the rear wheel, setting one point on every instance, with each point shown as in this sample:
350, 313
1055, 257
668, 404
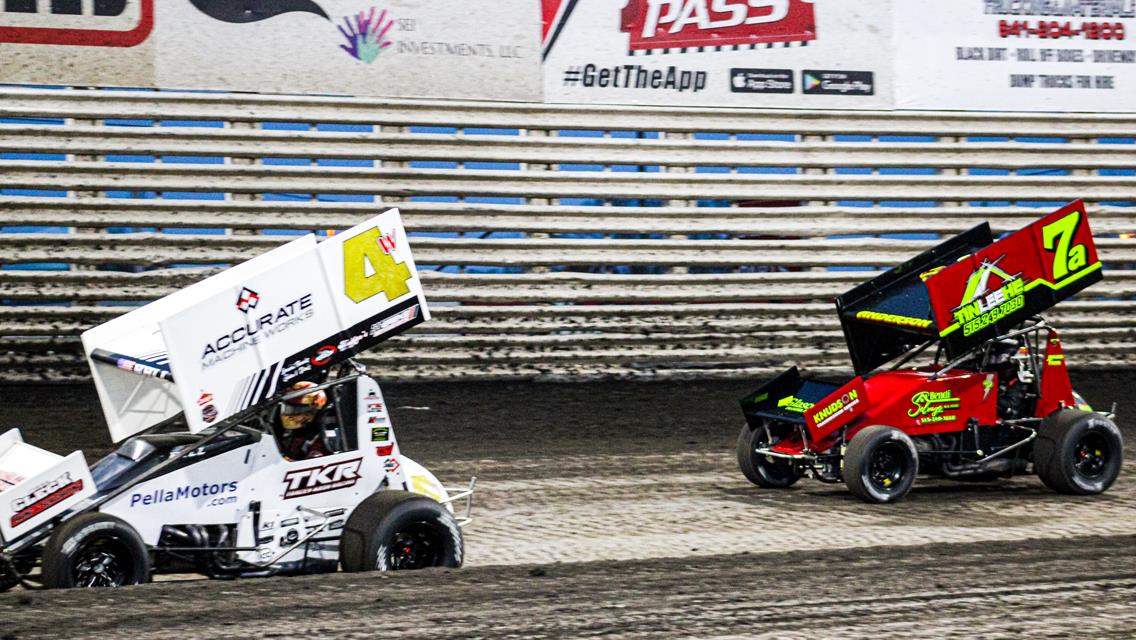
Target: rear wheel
397, 531
880, 464
1078, 452
95, 550
763, 470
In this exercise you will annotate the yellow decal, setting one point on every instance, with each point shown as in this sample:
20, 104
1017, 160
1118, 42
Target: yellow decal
388, 277
423, 486
931, 405
1055, 361
794, 404
890, 318
1057, 237
986, 310
926, 275
837, 405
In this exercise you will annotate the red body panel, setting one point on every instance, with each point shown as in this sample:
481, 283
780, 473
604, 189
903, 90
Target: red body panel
838, 409
908, 400
1056, 390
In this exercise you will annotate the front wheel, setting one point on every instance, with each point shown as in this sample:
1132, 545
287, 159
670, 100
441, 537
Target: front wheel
880, 464
762, 470
1078, 452
397, 531
95, 550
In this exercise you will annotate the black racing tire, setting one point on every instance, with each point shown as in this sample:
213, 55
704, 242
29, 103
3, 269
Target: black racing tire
95, 550
880, 464
396, 531
1078, 452
764, 471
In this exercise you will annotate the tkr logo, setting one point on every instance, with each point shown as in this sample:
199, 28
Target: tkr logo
247, 299
329, 477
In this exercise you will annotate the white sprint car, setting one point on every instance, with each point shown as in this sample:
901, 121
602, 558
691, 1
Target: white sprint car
193, 386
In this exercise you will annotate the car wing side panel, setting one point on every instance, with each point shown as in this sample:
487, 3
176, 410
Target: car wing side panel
889, 315
998, 287
786, 398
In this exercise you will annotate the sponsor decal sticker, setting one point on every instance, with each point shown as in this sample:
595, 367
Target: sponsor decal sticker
384, 450
206, 489
982, 306
247, 300
44, 497
327, 477
761, 80
932, 406
380, 434
255, 330
794, 404
890, 318
837, 408
139, 367
422, 485
844, 405
838, 83
391, 465
324, 355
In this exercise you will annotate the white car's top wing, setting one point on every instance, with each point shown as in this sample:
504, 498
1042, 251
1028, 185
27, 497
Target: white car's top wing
237, 338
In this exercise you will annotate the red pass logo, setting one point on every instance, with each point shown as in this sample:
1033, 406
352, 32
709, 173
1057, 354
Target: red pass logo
681, 24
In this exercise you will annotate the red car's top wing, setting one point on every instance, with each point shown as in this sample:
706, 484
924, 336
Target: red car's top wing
991, 291
969, 288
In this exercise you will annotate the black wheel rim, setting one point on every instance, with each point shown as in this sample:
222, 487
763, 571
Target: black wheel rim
416, 547
1091, 455
887, 466
102, 562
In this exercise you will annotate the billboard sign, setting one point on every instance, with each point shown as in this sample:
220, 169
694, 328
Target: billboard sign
404, 48
757, 53
1073, 55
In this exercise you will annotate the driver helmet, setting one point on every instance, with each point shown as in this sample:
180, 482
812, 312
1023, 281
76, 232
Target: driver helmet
299, 411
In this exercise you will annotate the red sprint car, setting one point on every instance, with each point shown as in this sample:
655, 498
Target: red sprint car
994, 400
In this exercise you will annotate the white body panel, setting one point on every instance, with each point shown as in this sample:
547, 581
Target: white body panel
235, 339
222, 489
37, 485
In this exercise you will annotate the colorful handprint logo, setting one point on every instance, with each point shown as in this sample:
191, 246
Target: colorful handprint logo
366, 34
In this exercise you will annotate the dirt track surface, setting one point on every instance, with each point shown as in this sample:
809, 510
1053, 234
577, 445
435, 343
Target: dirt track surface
617, 509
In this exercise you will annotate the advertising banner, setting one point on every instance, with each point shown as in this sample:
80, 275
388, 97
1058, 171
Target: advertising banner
756, 53
108, 44
469, 49
1016, 55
